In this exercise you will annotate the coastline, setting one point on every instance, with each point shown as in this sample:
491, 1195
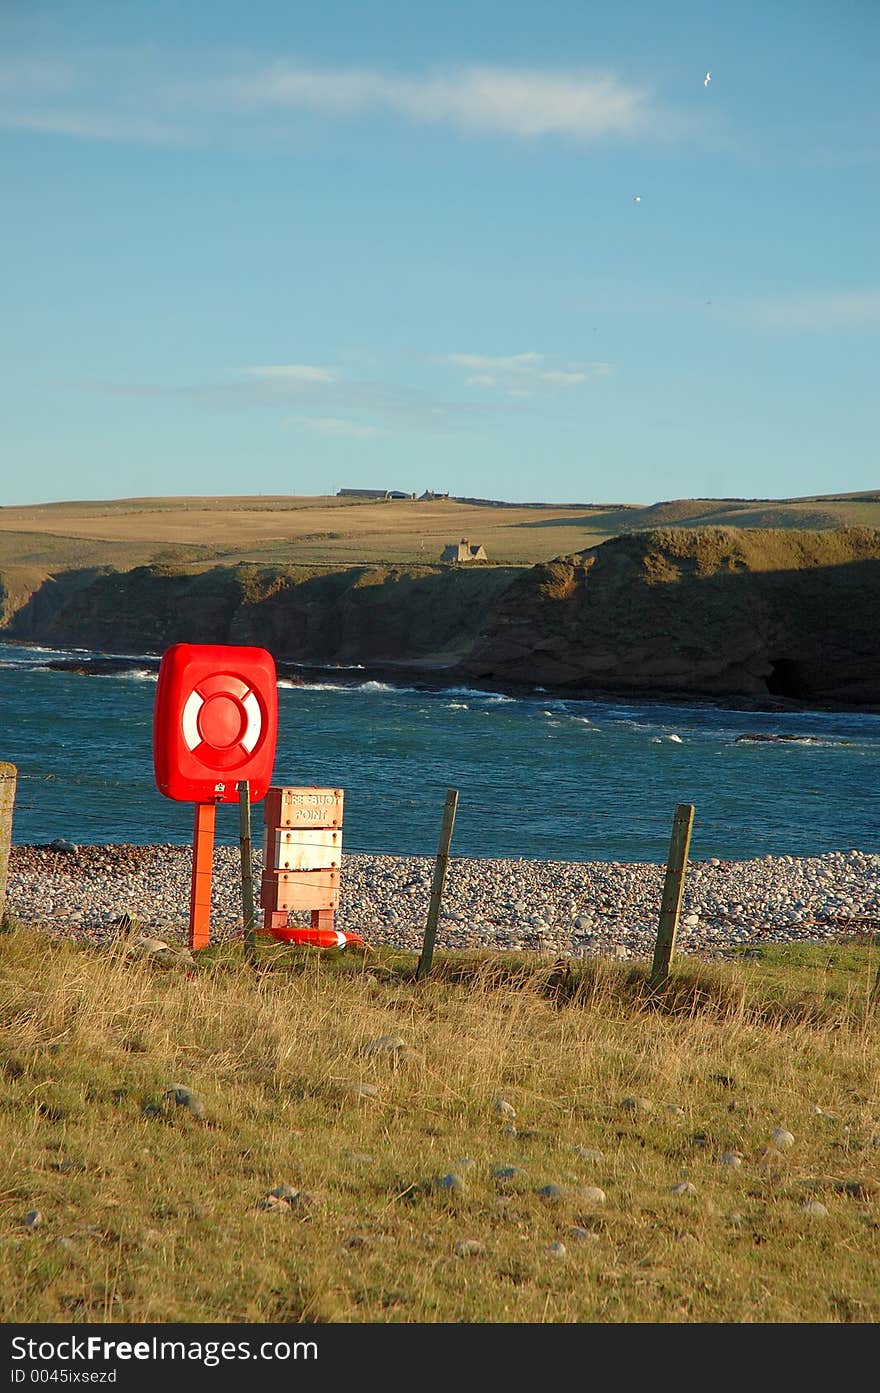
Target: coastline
428, 676
564, 909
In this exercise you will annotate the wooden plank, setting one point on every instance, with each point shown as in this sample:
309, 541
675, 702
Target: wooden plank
300, 890
247, 870
8, 779
303, 807
673, 887
440, 865
302, 849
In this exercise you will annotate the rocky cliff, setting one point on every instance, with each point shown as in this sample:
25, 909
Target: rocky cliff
427, 615
714, 612
710, 611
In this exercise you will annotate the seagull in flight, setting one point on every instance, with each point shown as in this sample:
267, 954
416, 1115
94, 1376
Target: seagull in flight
637, 199
707, 79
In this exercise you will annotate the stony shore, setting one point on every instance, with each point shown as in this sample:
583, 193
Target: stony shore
553, 907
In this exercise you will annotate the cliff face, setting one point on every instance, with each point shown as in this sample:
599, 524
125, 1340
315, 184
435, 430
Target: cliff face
720, 612
713, 611
359, 614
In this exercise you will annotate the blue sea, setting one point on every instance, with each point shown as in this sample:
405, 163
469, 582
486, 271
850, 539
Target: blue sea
538, 777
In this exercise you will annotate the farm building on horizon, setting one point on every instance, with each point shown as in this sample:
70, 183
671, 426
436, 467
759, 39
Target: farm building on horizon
463, 551
373, 493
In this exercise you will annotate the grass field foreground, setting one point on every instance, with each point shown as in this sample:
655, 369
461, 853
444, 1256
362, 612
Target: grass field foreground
325, 1139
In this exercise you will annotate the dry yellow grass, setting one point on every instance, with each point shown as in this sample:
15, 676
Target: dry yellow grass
157, 1211
334, 530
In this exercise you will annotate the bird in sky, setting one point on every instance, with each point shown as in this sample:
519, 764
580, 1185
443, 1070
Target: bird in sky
636, 199
707, 79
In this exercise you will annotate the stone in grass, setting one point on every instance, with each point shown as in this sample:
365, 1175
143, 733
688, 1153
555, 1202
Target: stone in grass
358, 1091
557, 1249
283, 1192
284, 1198
469, 1248
503, 1108
782, 1139
815, 1207
185, 1098
589, 1153
733, 1159
384, 1044
592, 1194
508, 1173
451, 1183
683, 1187
32, 1220
581, 1235
641, 1105
552, 1192
676, 1109
509, 1130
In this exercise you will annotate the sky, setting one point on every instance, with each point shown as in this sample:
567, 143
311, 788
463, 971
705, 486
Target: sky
538, 252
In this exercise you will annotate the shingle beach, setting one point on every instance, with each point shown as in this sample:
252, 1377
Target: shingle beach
572, 909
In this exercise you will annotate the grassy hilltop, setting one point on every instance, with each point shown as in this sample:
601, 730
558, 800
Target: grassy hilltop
123, 533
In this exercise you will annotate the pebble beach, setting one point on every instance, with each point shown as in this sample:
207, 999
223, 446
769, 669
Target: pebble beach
567, 909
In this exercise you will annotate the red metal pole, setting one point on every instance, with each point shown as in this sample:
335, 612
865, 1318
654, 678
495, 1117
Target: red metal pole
202, 868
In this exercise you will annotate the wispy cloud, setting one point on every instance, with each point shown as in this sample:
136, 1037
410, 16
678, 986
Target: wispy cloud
324, 395
106, 126
144, 94
524, 102
818, 311
333, 425
293, 372
523, 374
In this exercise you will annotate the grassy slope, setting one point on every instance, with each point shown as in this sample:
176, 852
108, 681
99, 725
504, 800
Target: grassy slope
152, 1212
330, 530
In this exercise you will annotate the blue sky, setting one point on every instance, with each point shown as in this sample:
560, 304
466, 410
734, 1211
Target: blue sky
509, 250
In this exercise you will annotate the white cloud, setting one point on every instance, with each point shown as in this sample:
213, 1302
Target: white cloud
34, 75
142, 93
523, 374
294, 372
332, 425
84, 125
819, 310
525, 102
321, 394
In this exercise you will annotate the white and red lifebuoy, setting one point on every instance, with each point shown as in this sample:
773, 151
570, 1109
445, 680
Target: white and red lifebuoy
215, 722
318, 938
221, 718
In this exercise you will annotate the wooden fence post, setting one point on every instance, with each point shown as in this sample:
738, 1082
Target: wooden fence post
247, 870
8, 776
437, 886
673, 886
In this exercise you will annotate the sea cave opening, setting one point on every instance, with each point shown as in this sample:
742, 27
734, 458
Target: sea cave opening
786, 678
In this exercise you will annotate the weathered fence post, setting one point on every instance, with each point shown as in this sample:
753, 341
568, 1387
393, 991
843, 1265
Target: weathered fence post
437, 885
247, 870
670, 906
8, 776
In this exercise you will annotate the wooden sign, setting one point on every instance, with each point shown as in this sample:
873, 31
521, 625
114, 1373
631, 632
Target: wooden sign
303, 849
287, 890
303, 807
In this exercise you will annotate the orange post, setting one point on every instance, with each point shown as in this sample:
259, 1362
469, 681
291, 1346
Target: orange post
202, 868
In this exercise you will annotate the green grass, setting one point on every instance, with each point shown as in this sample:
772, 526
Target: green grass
153, 1212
